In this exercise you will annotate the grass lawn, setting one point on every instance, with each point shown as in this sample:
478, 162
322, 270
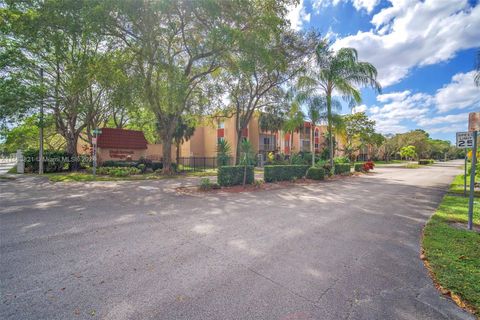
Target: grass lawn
389, 162
85, 177
413, 166
452, 253
457, 185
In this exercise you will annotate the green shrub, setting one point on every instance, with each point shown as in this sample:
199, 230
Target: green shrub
118, 171
284, 173
233, 175
315, 173
119, 164
341, 168
54, 161
426, 161
341, 160
205, 184
358, 167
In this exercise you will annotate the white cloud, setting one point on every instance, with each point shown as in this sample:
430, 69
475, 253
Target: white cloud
367, 5
414, 33
460, 93
399, 107
456, 127
451, 118
297, 15
360, 108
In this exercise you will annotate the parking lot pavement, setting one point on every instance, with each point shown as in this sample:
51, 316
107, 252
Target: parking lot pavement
344, 249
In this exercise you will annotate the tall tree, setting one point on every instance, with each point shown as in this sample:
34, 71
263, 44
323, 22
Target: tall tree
62, 38
358, 133
340, 73
178, 47
267, 58
183, 132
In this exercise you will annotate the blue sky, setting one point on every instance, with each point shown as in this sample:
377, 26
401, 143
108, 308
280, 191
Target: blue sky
424, 51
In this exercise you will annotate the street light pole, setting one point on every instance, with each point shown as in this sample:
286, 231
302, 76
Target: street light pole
40, 149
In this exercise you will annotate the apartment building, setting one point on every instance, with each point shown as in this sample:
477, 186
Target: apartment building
204, 141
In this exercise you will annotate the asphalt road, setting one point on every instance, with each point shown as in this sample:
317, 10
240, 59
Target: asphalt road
344, 249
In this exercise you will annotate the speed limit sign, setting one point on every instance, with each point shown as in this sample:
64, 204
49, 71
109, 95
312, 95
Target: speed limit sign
464, 139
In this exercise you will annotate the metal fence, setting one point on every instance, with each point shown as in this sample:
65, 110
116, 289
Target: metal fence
191, 164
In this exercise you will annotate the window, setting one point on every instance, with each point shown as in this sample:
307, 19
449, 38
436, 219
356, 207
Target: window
266, 140
287, 143
316, 145
316, 133
219, 139
221, 125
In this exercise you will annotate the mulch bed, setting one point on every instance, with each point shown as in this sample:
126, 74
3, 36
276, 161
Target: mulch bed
192, 190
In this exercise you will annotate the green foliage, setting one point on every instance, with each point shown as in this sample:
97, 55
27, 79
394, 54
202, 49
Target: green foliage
25, 135
206, 185
54, 161
408, 152
341, 168
341, 160
358, 131
358, 167
118, 171
316, 173
247, 154
284, 173
426, 161
339, 70
223, 153
233, 175
298, 159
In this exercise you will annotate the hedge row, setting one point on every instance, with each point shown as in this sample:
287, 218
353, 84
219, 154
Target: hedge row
148, 164
53, 161
284, 173
340, 168
233, 175
315, 173
426, 161
358, 167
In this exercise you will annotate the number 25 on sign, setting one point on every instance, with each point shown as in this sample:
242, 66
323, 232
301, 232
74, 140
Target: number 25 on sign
464, 139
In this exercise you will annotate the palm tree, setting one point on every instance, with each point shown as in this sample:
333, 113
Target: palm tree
316, 106
294, 121
339, 72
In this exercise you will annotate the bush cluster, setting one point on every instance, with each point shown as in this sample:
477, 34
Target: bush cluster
284, 173
206, 185
142, 164
315, 173
233, 175
426, 161
341, 168
118, 171
53, 161
364, 167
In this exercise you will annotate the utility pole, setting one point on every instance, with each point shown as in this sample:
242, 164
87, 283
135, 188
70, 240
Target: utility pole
40, 149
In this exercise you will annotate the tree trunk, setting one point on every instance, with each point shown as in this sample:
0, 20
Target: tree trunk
330, 131
167, 155
177, 156
237, 149
72, 151
312, 144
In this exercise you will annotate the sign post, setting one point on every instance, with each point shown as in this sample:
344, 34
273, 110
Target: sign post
465, 176
472, 181
473, 127
96, 132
